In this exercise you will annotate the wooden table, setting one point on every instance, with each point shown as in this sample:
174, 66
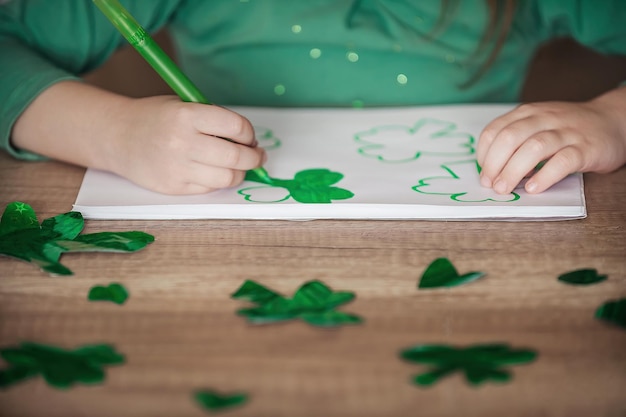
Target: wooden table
179, 331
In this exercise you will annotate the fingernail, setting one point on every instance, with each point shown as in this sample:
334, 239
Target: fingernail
484, 181
531, 186
500, 187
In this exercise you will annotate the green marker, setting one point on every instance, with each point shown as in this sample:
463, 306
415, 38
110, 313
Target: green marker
141, 40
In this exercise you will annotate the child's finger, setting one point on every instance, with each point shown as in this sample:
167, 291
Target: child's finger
212, 177
566, 161
213, 151
224, 123
504, 145
534, 150
491, 131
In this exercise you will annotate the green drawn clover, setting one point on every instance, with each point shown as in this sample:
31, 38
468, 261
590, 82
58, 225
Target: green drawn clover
308, 186
455, 185
313, 302
266, 138
398, 144
23, 238
60, 368
479, 363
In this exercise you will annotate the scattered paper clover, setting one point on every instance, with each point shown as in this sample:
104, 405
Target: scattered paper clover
585, 276
23, 238
479, 363
313, 303
114, 292
398, 144
266, 138
60, 368
308, 186
613, 312
441, 273
213, 401
453, 184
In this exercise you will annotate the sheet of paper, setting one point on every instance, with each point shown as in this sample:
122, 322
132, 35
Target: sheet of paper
383, 163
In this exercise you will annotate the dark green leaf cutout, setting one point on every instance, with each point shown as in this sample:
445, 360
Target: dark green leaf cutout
23, 238
479, 363
613, 312
441, 273
313, 302
308, 186
114, 292
60, 368
18, 216
213, 401
582, 277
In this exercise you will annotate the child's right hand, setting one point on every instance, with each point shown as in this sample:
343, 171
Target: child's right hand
175, 147
160, 143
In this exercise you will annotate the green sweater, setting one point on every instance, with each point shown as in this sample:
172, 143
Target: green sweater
300, 52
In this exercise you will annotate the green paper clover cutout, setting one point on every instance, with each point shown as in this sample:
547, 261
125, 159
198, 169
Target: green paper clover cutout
454, 184
479, 363
313, 303
114, 292
60, 368
399, 144
213, 401
441, 273
308, 186
23, 238
266, 139
613, 312
585, 276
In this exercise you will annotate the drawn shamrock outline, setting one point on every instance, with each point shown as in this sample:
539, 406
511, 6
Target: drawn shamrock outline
449, 131
308, 186
425, 182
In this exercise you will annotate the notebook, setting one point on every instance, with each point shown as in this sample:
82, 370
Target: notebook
371, 163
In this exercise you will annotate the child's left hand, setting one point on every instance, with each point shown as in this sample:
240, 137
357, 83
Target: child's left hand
570, 137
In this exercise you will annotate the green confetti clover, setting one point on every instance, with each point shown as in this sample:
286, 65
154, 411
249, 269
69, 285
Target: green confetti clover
60, 368
213, 401
479, 363
114, 292
441, 273
613, 312
23, 238
313, 303
308, 186
400, 144
586, 276
454, 184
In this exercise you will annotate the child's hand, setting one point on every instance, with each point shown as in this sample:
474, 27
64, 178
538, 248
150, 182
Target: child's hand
178, 148
570, 137
160, 143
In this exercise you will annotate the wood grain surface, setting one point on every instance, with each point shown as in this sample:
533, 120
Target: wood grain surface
179, 331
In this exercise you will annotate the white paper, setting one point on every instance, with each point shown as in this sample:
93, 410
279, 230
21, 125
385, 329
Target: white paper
399, 163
